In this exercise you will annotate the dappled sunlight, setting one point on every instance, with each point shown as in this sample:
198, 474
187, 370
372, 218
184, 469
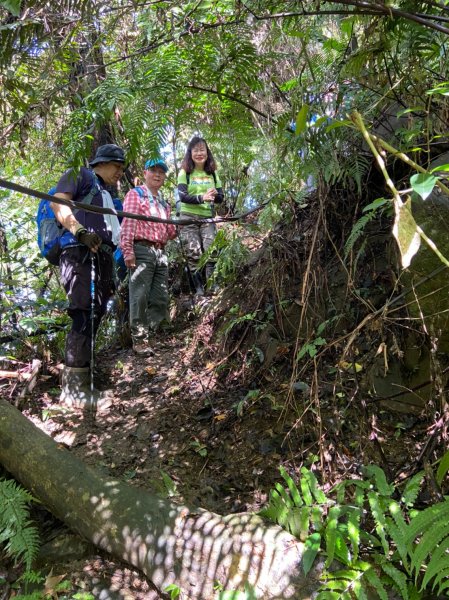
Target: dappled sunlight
168, 542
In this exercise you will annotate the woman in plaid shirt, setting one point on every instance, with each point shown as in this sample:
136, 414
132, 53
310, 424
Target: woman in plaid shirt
142, 244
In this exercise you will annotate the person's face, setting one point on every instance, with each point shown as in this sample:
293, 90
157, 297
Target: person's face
199, 154
154, 178
110, 172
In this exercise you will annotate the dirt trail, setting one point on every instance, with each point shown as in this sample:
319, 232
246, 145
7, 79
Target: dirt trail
173, 427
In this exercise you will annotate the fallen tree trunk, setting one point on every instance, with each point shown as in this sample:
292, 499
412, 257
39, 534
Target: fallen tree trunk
193, 549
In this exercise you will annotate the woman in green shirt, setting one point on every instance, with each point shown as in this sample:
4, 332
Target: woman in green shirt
199, 189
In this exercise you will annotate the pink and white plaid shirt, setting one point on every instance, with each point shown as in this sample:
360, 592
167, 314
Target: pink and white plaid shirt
132, 229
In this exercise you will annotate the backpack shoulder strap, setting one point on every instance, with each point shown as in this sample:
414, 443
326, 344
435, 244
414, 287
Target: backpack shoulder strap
162, 201
142, 194
140, 191
93, 190
188, 178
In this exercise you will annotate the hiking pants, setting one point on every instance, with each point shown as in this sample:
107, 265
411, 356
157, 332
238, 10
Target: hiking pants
75, 268
195, 240
148, 291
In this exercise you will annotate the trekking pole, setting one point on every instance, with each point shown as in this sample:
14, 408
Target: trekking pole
187, 268
92, 326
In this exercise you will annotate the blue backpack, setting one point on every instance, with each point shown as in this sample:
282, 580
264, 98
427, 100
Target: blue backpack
50, 231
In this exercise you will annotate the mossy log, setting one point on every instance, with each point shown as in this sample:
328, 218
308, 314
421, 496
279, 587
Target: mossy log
170, 544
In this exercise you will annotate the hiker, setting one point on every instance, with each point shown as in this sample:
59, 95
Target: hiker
142, 244
199, 189
87, 235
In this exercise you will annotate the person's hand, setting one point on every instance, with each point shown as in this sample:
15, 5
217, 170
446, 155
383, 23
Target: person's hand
92, 240
130, 262
209, 196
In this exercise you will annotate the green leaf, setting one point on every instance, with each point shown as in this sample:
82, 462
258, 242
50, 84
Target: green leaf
443, 468
376, 204
312, 547
320, 121
174, 591
331, 533
442, 88
443, 168
354, 530
301, 119
306, 494
423, 184
337, 124
318, 494
13, 6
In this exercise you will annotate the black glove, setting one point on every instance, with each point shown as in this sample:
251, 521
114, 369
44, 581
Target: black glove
88, 238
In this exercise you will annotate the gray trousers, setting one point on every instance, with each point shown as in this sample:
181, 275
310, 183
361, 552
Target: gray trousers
148, 291
195, 240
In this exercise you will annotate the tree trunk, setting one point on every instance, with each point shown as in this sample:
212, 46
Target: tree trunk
193, 549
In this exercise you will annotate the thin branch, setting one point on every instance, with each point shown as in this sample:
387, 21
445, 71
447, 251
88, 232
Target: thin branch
230, 97
394, 12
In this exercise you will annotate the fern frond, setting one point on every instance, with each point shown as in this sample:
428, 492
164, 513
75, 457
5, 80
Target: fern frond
412, 488
298, 522
398, 538
359, 590
312, 482
427, 545
305, 489
296, 496
441, 580
357, 231
19, 533
436, 563
350, 581
330, 533
24, 543
432, 517
379, 518
397, 576
354, 530
443, 587
397, 529
443, 468
375, 581
328, 595
380, 479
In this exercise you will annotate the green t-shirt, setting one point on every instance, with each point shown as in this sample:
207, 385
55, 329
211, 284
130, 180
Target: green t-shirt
199, 183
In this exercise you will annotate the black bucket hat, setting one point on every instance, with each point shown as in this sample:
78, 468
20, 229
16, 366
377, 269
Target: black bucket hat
108, 153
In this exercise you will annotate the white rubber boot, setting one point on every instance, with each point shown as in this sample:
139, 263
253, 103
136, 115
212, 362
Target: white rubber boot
76, 391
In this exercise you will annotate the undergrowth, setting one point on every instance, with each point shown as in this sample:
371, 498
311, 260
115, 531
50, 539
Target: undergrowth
18, 534
373, 537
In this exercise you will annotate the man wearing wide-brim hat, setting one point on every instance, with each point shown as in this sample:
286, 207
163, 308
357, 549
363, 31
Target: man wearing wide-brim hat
87, 236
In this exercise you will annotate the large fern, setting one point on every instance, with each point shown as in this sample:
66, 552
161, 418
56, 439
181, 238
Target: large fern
364, 519
428, 542
17, 532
